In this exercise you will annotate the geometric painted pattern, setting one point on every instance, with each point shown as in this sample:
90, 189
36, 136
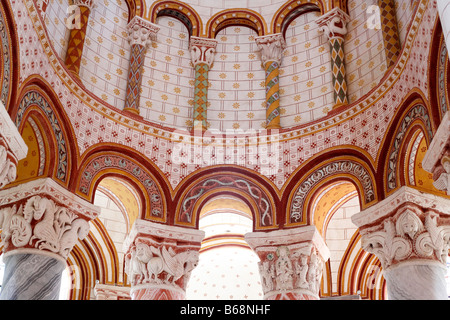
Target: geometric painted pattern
200, 96
272, 95
338, 70
135, 78
389, 27
76, 42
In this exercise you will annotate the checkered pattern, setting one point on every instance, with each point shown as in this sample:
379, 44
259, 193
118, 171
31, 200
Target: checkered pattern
200, 96
76, 42
389, 27
134, 78
338, 70
272, 95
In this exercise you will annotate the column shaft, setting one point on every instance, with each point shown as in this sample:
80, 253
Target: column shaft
392, 46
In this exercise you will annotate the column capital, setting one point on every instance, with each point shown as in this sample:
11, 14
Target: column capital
160, 258
334, 23
202, 50
437, 158
291, 261
409, 226
271, 47
141, 32
42, 217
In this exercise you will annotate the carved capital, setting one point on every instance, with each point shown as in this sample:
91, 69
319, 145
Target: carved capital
141, 32
271, 47
202, 50
291, 261
161, 256
407, 226
334, 23
42, 216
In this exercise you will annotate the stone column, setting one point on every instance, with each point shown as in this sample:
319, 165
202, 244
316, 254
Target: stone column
202, 51
141, 33
271, 48
389, 27
159, 260
334, 25
79, 14
41, 222
12, 148
437, 158
409, 232
291, 262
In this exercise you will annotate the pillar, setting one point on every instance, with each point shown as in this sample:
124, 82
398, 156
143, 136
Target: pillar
159, 260
271, 48
444, 15
291, 262
141, 33
334, 25
437, 158
12, 148
202, 51
41, 222
79, 15
409, 233
389, 28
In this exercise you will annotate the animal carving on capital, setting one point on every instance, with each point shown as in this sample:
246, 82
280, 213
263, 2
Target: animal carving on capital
160, 265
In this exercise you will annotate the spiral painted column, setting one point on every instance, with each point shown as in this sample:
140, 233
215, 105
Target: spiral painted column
408, 232
79, 17
291, 262
389, 27
141, 33
202, 54
271, 48
159, 260
41, 223
333, 24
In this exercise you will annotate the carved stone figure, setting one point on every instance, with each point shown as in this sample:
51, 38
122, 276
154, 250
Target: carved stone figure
301, 270
284, 269
267, 271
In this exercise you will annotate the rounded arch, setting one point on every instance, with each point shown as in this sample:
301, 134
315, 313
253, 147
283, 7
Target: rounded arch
124, 163
178, 10
258, 193
291, 10
331, 166
415, 115
236, 17
37, 99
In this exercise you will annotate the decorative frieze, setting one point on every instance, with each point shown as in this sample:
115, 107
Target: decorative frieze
159, 259
111, 292
291, 262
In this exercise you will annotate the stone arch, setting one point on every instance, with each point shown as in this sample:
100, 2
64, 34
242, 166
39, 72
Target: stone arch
333, 168
178, 10
209, 183
230, 17
291, 10
102, 163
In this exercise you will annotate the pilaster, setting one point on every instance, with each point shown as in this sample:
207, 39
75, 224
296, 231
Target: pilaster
159, 260
291, 262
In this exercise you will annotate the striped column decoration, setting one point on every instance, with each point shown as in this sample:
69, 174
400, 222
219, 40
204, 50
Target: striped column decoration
291, 262
389, 27
77, 22
41, 223
271, 48
175, 253
202, 54
333, 24
141, 33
